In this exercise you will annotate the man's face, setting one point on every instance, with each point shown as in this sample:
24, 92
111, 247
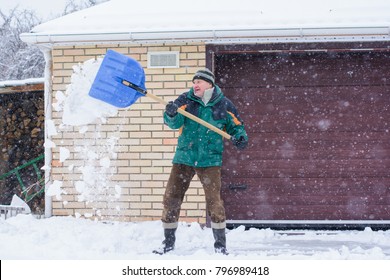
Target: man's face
200, 86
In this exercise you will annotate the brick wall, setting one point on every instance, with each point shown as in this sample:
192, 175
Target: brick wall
144, 146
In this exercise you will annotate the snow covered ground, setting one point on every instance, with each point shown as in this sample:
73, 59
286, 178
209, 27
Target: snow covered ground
68, 238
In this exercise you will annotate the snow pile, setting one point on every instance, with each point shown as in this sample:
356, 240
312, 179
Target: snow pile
79, 107
71, 238
79, 111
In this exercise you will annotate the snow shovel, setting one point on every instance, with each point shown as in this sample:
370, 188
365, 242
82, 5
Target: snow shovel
120, 81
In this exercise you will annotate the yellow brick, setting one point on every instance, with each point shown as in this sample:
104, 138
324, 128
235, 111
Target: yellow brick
95, 51
62, 73
59, 87
151, 212
142, 104
68, 65
117, 120
164, 134
63, 59
140, 162
120, 177
163, 148
159, 120
158, 206
129, 170
56, 53
74, 205
195, 213
185, 49
197, 55
63, 212
152, 141
74, 52
149, 127
143, 134
140, 205
159, 191
155, 85
140, 149
159, 49
186, 63
153, 71
151, 170
140, 219
130, 198
151, 155
174, 84
58, 80
192, 198
132, 212
140, 177
130, 113
83, 58
164, 163
202, 48
140, 120
139, 50
57, 204
121, 49
151, 198
140, 191
129, 156
184, 77
132, 127
130, 185
164, 78
153, 185
192, 191
189, 206
118, 205
161, 177
85, 47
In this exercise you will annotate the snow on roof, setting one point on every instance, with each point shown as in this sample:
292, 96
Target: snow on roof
12, 86
15, 83
147, 20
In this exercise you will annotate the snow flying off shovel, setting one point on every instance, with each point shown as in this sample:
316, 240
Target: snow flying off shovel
120, 81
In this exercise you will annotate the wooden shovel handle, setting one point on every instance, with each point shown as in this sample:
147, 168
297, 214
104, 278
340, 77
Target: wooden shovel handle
191, 116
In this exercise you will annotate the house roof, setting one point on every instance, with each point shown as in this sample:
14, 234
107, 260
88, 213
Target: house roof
218, 20
12, 86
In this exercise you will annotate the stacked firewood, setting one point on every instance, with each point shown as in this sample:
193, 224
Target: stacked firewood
22, 138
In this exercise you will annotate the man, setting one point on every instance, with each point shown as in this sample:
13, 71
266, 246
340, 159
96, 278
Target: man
199, 151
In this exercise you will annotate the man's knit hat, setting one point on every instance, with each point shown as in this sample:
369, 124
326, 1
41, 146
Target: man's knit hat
205, 75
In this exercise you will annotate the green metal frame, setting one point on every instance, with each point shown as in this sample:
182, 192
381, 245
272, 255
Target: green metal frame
25, 190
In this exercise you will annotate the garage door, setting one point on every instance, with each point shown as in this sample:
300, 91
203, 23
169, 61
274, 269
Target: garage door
318, 124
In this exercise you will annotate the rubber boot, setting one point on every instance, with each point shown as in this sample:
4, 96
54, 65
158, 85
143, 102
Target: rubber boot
220, 241
169, 243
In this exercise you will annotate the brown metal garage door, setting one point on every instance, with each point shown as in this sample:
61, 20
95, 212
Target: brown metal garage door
318, 124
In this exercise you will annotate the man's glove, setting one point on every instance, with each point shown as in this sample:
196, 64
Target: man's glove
240, 143
171, 109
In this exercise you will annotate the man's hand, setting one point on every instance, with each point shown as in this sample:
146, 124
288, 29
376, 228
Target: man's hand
171, 109
240, 143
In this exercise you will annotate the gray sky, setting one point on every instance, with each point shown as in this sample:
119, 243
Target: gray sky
45, 9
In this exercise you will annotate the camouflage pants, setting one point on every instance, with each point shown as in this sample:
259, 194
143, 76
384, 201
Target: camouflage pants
178, 183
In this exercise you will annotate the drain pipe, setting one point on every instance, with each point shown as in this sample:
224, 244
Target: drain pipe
48, 114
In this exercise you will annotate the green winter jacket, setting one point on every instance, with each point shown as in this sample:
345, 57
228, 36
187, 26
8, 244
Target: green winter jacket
197, 145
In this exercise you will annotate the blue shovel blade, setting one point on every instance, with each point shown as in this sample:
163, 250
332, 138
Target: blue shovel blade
108, 86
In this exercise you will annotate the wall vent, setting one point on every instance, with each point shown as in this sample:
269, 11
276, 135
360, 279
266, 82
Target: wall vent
163, 60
